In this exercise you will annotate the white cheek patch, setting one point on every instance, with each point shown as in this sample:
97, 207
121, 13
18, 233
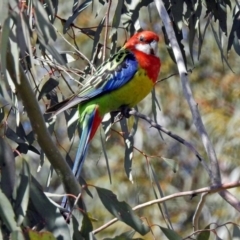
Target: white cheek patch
143, 48
149, 49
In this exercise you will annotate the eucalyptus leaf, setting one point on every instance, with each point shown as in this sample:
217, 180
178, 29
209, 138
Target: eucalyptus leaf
236, 231
173, 163
48, 87
7, 214
3, 11
7, 166
128, 139
170, 234
121, 210
76, 13
234, 36
97, 47
2, 114
204, 235
23, 191
87, 226
54, 221
106, 158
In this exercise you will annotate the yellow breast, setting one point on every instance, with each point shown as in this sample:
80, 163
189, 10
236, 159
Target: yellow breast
130, 94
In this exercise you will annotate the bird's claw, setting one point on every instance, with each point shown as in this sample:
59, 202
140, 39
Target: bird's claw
125, 111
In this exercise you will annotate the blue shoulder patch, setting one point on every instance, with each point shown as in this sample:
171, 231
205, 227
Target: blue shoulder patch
122, 74
113, 79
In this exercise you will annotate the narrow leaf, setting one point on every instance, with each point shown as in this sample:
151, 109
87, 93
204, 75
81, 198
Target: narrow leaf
23, 190
3, 11
204, 235
84, 185
74, 224
75, 14
106, 158
177, 13
13, 136
54, 222
97, 47
7, 166
115, 25
234, 36
34, 235
51, 9
2, 114
170, 234
87, 226
126, 235
42, 22
236, 231
107, 124
121, 210
155, 104
33, 149
173, 163
128, 139
48, 87
6, 213
220, 47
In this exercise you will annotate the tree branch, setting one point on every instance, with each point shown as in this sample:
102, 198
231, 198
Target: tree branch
215, 176
42, 135
211, 189
172, 135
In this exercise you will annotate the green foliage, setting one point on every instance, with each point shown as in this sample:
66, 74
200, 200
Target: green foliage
53, 49
121, 210
170, 234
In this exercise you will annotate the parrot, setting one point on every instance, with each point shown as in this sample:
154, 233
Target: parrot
123, 80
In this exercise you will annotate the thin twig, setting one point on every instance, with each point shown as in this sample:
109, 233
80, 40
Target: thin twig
84, 29
80, 53
173, 74
198, 211
58, 67
211, 229
172, 135
211, 189
72, 208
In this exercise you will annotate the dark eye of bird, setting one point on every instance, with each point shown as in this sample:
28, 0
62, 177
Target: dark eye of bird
141, 39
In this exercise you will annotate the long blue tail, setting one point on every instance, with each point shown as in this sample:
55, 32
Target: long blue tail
87, 122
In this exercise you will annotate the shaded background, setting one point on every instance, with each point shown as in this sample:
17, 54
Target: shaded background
216, 90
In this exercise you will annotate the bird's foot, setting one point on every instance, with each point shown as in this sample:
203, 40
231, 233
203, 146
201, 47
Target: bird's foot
125, 111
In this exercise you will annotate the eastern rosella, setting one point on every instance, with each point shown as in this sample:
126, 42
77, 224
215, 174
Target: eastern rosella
123, 80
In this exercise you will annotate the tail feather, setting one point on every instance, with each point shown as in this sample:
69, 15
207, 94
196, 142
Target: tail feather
90, 120
82, 150
65, 104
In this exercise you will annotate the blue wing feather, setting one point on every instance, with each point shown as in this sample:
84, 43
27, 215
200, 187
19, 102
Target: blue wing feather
123, 75
110, 79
